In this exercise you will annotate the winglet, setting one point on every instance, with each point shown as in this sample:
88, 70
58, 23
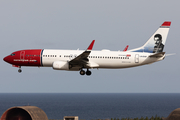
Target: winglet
125, 49
91, 45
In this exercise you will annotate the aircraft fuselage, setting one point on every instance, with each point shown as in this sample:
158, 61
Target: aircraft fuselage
103, 59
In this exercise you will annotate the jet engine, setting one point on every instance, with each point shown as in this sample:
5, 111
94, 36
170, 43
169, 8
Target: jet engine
60, 65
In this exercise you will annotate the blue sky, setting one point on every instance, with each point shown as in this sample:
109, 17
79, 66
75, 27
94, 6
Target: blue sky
74, 24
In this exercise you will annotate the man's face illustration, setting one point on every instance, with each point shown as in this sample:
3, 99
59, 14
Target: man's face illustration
158, 39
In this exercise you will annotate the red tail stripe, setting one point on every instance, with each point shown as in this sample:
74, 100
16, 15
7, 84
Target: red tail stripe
167, 23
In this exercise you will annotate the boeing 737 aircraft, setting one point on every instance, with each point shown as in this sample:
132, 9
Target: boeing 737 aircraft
77, 60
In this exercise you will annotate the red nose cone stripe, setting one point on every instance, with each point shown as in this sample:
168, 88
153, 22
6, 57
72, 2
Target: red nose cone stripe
4, 59
25, 58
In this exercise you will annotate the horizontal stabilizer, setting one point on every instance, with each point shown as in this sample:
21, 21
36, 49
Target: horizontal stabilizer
170, 54
161, 54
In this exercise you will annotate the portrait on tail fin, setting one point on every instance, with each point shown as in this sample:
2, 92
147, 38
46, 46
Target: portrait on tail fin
158, 44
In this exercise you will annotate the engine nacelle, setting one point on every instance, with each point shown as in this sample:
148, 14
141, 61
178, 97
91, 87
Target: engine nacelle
60, 65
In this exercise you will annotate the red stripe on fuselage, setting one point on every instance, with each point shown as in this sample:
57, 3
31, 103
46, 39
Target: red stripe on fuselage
25, 58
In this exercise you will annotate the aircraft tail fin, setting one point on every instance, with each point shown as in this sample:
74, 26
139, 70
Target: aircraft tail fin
157, 41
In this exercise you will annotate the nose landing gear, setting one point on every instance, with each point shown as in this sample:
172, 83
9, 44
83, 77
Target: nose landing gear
82, 72
19, 70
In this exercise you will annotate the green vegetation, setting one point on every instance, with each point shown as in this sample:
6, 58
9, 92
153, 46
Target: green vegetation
146, 118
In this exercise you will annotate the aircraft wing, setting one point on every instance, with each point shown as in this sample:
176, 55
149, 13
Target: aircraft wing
82, 60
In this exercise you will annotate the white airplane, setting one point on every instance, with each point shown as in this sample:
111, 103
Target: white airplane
77, 60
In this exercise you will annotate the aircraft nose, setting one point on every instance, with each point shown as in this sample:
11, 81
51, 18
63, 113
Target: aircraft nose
6, 59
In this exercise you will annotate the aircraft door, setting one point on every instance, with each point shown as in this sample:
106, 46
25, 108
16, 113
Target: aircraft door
137, 58
22, 53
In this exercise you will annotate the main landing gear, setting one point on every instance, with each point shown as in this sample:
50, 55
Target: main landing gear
82, 72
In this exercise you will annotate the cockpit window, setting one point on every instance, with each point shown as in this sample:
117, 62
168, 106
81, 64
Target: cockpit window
12, 54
